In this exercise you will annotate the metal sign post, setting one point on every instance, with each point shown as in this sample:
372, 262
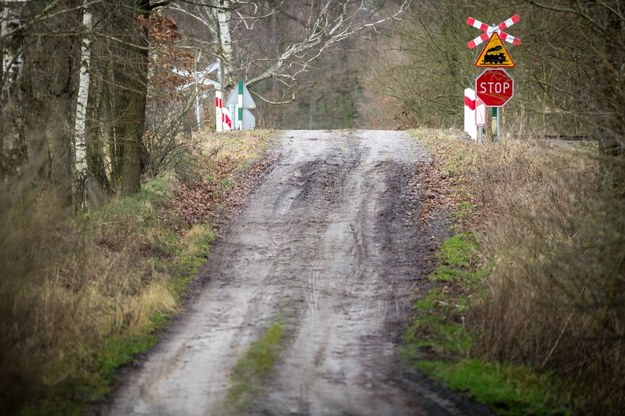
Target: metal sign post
495, 124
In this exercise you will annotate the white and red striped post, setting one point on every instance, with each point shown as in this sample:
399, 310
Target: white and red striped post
219, 105
223, 121
469, 113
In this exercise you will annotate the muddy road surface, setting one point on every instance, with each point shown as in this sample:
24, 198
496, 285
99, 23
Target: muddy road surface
326, 247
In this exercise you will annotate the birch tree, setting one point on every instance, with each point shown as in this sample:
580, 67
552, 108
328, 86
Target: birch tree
225, 55
80, 141
12, 142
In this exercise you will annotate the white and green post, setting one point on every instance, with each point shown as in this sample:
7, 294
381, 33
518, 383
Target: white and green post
239, 125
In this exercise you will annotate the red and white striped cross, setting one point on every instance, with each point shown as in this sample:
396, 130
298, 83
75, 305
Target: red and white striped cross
489, 30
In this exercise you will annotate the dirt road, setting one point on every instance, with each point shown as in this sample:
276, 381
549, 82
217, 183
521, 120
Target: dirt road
326, 246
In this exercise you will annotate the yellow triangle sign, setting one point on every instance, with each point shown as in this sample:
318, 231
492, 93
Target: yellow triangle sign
494, 55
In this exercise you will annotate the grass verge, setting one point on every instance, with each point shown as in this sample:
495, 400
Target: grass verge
81, 297
445, 339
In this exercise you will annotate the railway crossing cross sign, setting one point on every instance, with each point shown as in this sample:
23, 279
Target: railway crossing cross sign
489, 30
494, 55
494, 87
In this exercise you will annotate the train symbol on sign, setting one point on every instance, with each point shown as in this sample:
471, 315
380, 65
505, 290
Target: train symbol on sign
494, 58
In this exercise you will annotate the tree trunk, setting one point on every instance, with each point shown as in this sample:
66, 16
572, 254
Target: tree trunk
13, 151
136, 84
80, 125
225, 43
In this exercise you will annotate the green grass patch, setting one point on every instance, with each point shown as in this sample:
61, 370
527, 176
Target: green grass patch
458, 250
439, 342
464, 209
508, 390
457, 261
140, 207
156, 190
94, 383
434, 336
455, 163
190, 254
227, 183
253, 370
437, 329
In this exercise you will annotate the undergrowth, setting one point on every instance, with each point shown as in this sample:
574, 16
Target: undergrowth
80, 296
527, 310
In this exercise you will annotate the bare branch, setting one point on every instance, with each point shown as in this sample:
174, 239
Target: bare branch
289, 101
323, 32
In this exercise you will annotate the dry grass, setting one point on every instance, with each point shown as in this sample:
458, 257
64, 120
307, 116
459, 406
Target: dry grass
78, 296
65, 288
550, 220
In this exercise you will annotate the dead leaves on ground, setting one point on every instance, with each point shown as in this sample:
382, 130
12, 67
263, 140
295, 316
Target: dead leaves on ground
440, 192
433, 188
221, 190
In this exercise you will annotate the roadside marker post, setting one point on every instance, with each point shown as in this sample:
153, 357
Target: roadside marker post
223, 122
240, 106
470, 126
219, 104
239, 103
474, 115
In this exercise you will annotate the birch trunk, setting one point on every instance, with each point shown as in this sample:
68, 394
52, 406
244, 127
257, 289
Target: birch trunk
13, 151
224, 16
80, 143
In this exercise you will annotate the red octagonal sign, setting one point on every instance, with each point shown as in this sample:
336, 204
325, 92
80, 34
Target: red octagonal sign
494, 87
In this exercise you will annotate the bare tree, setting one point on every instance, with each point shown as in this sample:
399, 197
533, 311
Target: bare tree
314, 27
39, 95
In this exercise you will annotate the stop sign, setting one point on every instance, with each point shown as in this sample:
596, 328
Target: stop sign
494, 87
